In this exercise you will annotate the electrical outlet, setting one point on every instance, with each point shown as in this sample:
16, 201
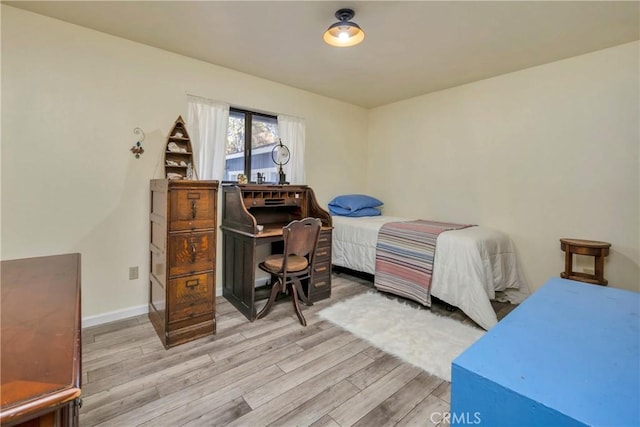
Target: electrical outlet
133, 273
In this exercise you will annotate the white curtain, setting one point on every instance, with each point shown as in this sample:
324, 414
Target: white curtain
292, 131
207, 122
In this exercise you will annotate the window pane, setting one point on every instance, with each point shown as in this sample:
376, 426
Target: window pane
264, 136
234, 164
250, 152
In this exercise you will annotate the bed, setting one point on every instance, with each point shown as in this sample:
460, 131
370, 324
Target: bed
469, 267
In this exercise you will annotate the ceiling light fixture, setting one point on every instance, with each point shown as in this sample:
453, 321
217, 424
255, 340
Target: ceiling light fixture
344, 33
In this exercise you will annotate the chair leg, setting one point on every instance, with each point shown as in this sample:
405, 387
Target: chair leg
275, 290
296, 307
298, 285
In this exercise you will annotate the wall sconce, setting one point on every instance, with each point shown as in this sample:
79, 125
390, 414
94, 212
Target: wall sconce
344, 33
137, 148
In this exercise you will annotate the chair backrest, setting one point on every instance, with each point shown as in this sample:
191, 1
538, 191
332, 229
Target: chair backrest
301, 237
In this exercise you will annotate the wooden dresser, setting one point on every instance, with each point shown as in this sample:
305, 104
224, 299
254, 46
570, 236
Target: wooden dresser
183, 259
40, 316
272, 206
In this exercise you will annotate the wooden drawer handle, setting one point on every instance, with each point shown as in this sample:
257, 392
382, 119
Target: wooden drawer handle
323, 253
193, 253
193, 208
320, 285
320, 269
192, 283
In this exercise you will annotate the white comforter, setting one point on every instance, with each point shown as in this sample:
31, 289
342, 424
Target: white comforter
470, 264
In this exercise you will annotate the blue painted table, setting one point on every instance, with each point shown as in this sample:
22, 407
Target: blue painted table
567, 356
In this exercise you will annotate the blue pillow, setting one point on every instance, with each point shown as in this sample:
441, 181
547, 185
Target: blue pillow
354, 202
360, 212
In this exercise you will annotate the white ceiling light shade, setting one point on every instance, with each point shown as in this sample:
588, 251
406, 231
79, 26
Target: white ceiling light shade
344, 33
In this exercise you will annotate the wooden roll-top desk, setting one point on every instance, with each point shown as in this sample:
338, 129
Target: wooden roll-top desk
271, 206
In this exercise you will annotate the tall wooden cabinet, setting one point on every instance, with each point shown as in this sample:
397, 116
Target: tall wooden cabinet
183, 259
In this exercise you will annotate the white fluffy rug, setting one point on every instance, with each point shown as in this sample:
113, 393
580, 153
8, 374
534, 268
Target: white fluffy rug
415, 335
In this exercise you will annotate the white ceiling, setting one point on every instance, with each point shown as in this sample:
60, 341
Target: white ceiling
411, 47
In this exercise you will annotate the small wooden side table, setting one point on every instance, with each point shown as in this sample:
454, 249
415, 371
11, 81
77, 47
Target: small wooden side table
599, 250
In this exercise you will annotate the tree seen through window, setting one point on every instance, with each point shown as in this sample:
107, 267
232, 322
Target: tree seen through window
250, 139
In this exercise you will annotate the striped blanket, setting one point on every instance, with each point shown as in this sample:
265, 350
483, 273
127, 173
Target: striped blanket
404, 257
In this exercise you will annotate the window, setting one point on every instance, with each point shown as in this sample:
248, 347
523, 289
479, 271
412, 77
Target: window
250, 138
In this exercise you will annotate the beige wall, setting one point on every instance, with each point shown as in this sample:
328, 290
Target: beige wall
543, 153
71, 98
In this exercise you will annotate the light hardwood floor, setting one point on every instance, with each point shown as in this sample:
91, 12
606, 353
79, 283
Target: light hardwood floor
270, 372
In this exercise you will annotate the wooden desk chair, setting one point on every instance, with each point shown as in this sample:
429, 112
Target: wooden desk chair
294, 264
